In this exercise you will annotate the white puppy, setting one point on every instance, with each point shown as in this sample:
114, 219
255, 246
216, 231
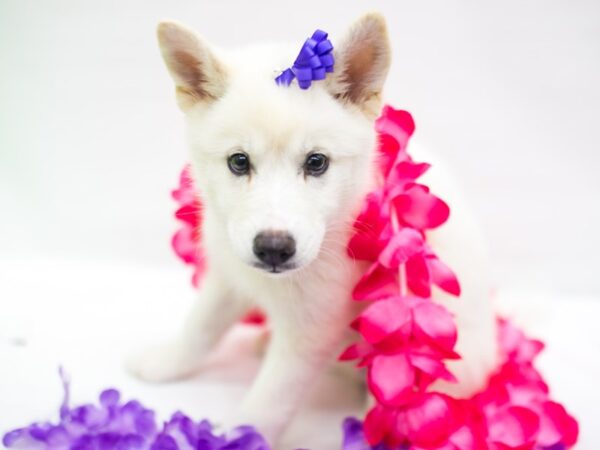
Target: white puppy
282, 173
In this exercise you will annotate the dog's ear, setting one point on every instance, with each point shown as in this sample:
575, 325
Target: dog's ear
198, 75
362, 60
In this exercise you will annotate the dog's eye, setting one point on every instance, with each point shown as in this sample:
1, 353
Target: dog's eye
239, 164
316, 164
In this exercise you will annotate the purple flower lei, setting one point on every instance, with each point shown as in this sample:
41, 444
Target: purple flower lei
116, 425
313, 62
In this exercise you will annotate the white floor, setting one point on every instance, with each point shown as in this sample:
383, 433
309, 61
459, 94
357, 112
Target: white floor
87, 316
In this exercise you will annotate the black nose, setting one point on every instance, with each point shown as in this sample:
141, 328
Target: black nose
274, 247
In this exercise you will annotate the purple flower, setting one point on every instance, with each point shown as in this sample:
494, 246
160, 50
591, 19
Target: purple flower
116, 425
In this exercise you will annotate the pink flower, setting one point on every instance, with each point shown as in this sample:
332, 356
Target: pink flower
516, 403
406, 340
373, 229
516, 346
557, 426
423, 268
382, 279
426, 269
418, 208
395, 127
378, 282
187, 240
431, 421
513, 428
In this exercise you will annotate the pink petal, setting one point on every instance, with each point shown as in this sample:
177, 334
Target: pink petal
402, 177
185, 246
514, 428
406, 243
516, 345
355, 351
360, 247
442, 276
408, 170
430, 421
396, 341
437, 323
378, 282
391, 379
510, 336
185, 192
464, 439
382, 318
397, 123
557, 426
523, 394
421, 209
417, 276
433, 367
388, 153
370, 237
529, 349
422, 345
378, 423
189, 213
199, 270
446, 446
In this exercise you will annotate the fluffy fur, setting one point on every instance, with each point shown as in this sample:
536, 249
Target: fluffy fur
232, 104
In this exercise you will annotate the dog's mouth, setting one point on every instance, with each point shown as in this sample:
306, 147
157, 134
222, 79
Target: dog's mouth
274, 269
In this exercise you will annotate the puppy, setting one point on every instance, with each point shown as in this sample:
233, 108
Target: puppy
282, 173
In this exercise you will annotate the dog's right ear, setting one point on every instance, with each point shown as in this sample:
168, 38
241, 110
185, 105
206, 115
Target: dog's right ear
198, 75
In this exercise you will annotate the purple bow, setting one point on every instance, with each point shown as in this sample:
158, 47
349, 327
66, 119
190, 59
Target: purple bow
313, 62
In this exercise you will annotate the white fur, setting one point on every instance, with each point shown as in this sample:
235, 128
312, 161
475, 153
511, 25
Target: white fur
309, 308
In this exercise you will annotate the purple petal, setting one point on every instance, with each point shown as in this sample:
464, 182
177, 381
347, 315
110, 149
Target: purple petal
164, 442
38, 432
14, 436
145, 423
131, 442
246, 438
354, 438
109, 397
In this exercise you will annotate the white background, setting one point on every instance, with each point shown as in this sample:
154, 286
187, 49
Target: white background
91, 141
508, 92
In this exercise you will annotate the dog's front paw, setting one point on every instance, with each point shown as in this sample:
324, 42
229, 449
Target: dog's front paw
168, 361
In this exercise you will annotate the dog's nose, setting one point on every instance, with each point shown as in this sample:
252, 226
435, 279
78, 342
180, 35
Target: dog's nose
274, 247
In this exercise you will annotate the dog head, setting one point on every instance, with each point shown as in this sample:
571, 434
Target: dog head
280, 169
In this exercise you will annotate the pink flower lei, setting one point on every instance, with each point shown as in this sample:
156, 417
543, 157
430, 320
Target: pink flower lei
405, 339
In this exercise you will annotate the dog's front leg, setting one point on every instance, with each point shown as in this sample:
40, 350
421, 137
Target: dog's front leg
297, 354
214, 311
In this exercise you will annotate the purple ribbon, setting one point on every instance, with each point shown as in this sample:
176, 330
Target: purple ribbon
313, 62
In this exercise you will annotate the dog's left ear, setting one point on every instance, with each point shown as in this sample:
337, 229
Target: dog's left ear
362, 61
